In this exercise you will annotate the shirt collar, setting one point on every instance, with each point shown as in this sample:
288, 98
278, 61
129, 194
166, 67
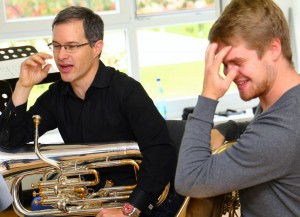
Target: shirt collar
103, 76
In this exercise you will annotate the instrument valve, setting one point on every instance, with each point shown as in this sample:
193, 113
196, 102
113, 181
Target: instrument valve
81, 192
37, 202
34, 194
62, 180
55, 189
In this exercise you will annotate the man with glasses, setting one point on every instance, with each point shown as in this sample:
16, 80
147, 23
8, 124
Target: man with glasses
94, 103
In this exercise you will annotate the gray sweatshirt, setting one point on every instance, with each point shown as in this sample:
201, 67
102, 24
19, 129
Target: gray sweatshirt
264, 164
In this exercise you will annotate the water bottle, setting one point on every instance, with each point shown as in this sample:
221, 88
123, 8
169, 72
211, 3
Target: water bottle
160, 102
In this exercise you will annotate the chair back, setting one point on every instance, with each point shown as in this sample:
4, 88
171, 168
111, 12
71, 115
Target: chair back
176, 130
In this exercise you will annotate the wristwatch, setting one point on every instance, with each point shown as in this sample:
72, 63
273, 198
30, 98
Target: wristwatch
129, 210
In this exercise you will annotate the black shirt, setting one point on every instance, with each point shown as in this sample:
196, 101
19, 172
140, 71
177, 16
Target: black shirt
115, 108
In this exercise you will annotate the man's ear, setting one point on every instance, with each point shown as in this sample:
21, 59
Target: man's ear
275, 48
98, 46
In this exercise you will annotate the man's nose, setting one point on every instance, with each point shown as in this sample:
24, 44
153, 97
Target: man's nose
229, 68
62, 53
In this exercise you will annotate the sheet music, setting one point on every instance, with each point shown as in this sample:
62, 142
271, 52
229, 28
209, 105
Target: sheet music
11, 68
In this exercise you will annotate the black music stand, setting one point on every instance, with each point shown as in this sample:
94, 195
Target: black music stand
9, 54
21, 52
16, 52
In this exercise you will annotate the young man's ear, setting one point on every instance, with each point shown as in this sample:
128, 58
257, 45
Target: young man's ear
276, 48
98, 46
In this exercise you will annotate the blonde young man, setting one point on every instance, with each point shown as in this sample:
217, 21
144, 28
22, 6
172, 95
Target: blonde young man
251, 39
94, 103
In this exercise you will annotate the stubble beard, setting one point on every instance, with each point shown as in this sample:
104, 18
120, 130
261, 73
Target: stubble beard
260, 88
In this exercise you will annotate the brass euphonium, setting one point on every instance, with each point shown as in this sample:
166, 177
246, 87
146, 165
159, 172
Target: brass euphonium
231, 200
214, 206
69, 193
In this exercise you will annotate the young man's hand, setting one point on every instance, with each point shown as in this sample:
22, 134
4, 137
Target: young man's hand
215, 86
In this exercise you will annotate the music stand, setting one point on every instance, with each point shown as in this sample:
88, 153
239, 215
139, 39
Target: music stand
22, 52
16, 52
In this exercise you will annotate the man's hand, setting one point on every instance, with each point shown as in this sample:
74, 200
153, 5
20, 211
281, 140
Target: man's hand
110, 213
214, 85
33, 70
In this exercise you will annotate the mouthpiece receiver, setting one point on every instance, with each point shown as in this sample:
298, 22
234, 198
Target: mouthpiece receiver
36, 120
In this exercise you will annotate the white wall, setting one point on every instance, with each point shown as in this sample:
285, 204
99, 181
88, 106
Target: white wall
296, 23
284, 5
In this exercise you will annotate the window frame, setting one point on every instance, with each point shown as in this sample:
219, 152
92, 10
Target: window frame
127, 21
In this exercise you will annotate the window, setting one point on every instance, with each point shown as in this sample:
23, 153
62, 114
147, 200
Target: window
147, 7
20, 9
175, 55
146, 39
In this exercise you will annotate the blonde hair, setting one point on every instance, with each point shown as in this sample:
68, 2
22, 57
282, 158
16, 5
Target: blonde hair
257, 22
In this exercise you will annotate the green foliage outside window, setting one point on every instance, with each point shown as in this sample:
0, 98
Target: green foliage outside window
161, 6
31, 8
192, 30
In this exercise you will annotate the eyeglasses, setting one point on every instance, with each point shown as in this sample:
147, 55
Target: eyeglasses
72, 48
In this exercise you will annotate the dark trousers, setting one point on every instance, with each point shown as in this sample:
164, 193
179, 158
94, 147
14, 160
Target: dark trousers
169, 207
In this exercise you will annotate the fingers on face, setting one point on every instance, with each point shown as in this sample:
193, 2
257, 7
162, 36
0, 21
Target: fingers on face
221, 55
231, 75
211, 53
213, 57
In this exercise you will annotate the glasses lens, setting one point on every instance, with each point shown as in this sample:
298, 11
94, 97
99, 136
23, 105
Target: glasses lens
50, 46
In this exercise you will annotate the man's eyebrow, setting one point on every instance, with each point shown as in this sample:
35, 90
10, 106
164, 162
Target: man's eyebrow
67, 43
234, 60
